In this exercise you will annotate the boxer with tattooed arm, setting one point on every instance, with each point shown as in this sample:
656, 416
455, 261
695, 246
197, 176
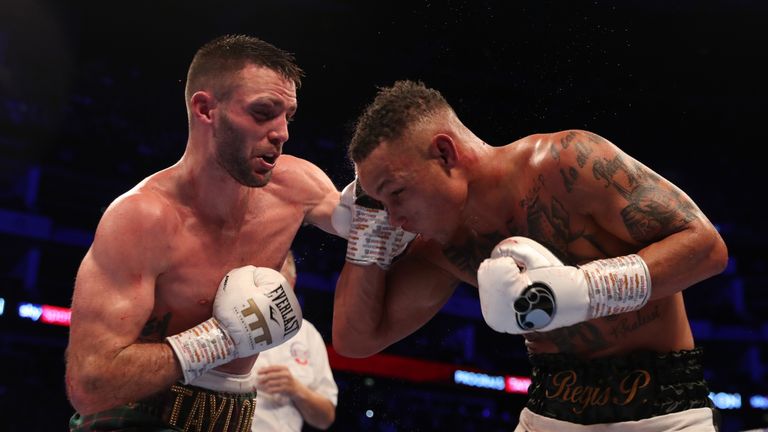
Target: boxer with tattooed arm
572, 243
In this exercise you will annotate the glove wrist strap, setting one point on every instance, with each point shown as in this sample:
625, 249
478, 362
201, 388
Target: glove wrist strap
201, 348
617, 285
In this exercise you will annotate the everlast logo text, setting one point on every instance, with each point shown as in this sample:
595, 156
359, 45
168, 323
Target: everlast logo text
281, 302
565, 386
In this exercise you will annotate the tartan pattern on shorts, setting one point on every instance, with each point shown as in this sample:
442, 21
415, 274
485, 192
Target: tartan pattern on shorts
126, 418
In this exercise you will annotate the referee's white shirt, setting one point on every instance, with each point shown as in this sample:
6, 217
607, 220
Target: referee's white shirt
306, 357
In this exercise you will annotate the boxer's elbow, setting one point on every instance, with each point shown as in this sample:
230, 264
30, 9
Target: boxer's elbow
717, 259
85, 389
80, 397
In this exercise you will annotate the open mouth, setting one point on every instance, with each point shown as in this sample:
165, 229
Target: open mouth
269, 158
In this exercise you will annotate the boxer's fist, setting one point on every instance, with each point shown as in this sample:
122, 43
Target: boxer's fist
254, 309
365, 224
523, 288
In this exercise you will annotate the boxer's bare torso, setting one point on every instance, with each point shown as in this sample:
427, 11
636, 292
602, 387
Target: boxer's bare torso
571, 191
661, 325
195, 251
541, 207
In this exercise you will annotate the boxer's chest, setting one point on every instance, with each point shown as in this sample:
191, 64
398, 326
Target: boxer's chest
199, 257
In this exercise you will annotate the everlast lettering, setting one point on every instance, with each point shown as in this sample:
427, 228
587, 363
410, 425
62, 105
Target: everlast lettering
280, 300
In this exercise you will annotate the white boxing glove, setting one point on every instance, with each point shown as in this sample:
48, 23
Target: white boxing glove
254, 309
524, 288
365, 224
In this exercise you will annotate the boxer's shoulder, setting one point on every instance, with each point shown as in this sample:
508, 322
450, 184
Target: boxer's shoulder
141, 208
301, 178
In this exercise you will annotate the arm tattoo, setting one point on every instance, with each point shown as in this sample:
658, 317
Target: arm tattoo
569, 178
654, 210
582, 150
156, 327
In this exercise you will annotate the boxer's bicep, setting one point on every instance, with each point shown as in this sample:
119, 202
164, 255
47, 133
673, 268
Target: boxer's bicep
651, 215
115, 285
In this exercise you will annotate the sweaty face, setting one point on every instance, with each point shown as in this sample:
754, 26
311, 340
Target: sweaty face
418, 194
251, 125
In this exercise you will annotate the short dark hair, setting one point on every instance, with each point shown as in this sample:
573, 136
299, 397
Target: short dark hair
216, 61
392, 112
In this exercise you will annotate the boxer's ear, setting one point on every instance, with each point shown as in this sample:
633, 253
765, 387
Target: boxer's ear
201, 105
443, 148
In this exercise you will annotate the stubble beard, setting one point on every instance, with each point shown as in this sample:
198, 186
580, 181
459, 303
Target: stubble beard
230, 154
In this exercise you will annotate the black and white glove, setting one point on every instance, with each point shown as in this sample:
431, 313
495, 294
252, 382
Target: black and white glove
524, 288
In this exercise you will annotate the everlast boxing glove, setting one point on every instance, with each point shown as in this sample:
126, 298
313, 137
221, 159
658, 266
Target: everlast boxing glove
254, 309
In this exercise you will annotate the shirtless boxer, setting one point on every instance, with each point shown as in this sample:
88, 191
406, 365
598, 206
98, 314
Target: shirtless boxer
609, 341
152, 310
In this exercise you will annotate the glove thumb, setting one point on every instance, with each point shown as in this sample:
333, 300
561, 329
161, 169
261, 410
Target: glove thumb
527, 254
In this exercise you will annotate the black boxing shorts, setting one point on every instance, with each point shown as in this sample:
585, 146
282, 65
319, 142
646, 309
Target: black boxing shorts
637, 386
181, 408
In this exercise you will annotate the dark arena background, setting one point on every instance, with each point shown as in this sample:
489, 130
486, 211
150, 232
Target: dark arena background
91, 102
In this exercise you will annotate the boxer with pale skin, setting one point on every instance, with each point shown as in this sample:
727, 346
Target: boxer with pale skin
571, 242
182, 276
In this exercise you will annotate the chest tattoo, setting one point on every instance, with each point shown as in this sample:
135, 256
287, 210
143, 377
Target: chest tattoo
468, 255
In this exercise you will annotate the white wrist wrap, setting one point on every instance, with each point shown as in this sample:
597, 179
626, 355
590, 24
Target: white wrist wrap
202, 348
617, 285
372, 240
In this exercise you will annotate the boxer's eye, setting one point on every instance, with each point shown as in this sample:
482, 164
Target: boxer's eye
259, 116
